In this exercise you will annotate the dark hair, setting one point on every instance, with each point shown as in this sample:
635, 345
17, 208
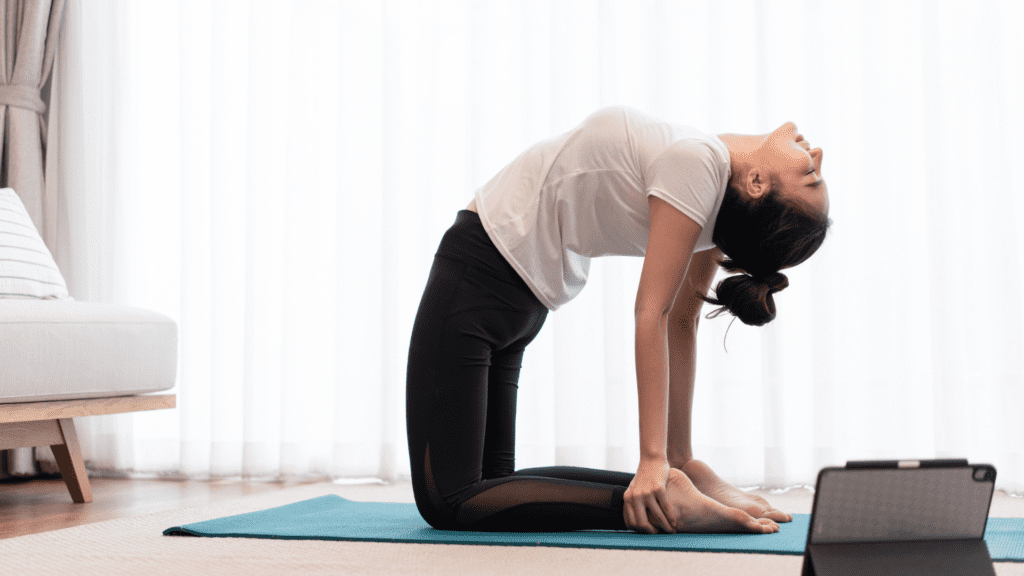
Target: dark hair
760, 237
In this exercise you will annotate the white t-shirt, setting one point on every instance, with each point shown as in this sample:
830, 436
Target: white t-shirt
584, 194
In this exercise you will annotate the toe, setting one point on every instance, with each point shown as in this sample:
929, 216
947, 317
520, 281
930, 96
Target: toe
777, 515
768, 526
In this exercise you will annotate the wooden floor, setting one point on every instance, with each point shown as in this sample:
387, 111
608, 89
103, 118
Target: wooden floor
43, 505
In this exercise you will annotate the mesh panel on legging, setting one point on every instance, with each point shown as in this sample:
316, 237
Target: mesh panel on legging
523, 503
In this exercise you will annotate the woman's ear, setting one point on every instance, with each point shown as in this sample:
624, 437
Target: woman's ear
758, 183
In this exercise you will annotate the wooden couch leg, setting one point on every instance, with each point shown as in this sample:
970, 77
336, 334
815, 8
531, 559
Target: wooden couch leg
72, 467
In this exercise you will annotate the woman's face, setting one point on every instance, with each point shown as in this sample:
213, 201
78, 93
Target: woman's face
795, 165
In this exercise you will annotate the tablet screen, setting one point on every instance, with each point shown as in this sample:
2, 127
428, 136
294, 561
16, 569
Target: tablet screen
878, 505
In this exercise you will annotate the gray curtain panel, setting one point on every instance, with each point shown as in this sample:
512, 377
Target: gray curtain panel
30, 30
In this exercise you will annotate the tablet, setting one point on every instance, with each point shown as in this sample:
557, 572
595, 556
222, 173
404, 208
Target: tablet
902, 500
901, 518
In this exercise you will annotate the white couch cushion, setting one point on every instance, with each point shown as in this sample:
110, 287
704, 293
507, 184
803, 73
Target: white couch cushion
65, 349
27, 269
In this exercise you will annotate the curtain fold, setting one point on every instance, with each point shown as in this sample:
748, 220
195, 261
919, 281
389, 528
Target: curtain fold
277, 178
31, 30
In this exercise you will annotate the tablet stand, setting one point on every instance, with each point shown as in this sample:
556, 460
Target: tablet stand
931, 558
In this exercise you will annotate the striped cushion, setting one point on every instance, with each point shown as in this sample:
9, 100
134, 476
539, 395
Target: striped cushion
27, 269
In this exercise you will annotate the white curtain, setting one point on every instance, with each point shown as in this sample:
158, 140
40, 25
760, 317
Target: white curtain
277, 176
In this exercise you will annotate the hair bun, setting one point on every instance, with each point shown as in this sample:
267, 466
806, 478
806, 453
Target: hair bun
747, 297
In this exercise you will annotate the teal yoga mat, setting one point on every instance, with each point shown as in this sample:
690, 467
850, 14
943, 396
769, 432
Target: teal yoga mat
332, 517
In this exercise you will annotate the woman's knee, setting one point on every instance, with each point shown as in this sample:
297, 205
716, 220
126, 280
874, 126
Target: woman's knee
437, 519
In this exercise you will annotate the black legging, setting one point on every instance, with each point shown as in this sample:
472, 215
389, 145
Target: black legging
473, 323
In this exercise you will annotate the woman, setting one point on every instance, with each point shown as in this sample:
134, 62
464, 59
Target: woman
620, 183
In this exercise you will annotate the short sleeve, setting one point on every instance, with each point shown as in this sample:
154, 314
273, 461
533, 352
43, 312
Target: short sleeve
686, 176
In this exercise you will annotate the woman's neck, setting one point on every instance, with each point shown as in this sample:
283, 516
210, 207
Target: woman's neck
741, 148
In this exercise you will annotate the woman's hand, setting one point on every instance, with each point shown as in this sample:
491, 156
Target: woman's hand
647, 498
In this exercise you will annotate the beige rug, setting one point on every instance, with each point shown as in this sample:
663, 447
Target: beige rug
135, 546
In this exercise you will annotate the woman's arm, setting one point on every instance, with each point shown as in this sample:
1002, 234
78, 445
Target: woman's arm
682, 351
669, 249
682, 344
669, 253
652, 380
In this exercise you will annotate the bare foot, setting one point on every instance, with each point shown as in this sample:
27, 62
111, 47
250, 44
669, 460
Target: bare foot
709, 484
696, 512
